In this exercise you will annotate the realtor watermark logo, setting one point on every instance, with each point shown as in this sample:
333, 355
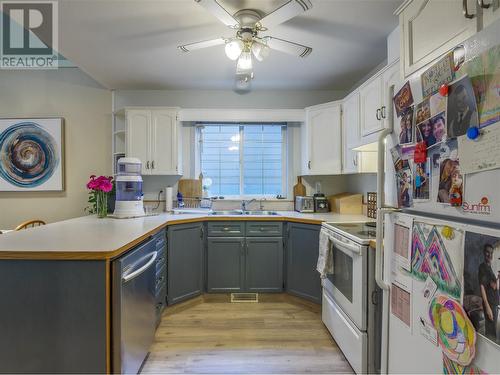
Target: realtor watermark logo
29, 34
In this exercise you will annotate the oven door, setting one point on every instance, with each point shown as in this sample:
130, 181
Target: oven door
348, 283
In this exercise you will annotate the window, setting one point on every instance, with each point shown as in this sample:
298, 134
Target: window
243, 159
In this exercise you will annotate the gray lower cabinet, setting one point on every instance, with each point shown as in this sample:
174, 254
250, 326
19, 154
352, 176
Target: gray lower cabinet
264, 264
53, 316
302, 255
225, 264
240, 261
185, 259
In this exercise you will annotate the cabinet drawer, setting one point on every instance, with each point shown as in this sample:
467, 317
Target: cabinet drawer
264, 229
226, 229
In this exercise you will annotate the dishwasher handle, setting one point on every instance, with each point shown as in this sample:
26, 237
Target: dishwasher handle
134, 274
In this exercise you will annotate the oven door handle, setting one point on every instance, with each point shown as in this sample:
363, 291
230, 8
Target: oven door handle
355, 249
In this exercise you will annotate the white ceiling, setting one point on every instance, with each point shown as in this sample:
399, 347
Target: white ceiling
131, 44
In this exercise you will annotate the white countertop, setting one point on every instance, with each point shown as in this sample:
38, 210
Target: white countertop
88, 237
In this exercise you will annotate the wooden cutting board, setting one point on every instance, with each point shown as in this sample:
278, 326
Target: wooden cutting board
299, 189
190, 188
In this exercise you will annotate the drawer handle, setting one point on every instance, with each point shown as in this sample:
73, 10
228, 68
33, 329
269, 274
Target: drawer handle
225, 229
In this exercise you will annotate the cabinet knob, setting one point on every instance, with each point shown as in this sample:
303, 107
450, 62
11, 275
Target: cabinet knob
465, 10
153, 164
355, 161
309, 164
147, 164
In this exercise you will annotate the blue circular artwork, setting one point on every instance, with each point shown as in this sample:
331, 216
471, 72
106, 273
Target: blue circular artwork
28, 155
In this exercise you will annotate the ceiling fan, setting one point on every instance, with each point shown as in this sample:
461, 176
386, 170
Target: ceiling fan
247, 42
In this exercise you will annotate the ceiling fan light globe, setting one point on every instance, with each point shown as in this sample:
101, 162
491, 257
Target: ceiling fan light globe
244, 62
260, 51
233, 49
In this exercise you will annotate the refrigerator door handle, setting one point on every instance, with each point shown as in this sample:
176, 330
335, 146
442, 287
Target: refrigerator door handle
382, 209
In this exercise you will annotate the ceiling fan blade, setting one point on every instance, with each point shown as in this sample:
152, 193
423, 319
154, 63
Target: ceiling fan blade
287, 11
212, 6
203, 44
287, 47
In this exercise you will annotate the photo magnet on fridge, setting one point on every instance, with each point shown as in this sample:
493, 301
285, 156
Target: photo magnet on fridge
440, 73
403, 99
432, 131
462, 108
422, 111
407, 128
451, 183
481, 283
421, 181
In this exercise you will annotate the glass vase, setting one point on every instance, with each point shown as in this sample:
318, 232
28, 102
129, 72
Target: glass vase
102, 204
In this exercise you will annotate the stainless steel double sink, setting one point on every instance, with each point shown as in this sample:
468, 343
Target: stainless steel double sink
240, 212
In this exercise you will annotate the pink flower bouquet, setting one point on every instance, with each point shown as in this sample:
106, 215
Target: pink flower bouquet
99, 187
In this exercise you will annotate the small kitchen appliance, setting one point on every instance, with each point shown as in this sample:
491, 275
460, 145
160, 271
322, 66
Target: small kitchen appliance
129, 197
320, 203
304, 204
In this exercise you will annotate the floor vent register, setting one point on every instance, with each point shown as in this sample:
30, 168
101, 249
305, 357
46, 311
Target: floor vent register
244, 297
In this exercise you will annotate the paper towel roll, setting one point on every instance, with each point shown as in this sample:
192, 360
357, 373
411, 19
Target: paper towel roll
168, 198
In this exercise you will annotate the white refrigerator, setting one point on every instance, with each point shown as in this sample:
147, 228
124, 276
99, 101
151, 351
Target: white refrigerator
440, 261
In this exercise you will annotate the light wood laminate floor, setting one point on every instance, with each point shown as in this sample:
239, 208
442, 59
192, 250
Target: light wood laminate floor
280, 334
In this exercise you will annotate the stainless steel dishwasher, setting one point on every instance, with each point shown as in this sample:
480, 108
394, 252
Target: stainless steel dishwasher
133, 310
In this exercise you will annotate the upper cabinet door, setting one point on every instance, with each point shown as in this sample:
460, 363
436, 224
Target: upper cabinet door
138, 135
432, 27
492, 12
370, 96
324, 140
351, 120
164, 142
351, 133
390, 77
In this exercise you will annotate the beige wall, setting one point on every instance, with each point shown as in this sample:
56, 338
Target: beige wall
86, 109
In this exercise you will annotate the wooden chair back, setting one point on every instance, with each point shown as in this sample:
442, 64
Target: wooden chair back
30, 224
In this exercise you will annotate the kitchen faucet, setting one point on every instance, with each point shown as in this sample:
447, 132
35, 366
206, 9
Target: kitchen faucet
244, 203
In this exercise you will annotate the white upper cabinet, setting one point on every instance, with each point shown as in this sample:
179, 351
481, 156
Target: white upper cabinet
430, 28
164, 143
350, 132
370, 94
376, 101
390, 77
153, 137
323, 137
138, 136
491, 11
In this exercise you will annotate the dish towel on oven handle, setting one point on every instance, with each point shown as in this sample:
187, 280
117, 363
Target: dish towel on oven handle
325, 258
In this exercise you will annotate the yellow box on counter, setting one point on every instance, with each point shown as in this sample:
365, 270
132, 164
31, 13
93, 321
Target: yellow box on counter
346, 203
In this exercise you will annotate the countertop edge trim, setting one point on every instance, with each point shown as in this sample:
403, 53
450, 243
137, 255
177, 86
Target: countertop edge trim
111, 254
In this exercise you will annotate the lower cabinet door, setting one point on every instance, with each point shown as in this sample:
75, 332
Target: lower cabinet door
225, 264
264, 264
185, 262
302, 256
